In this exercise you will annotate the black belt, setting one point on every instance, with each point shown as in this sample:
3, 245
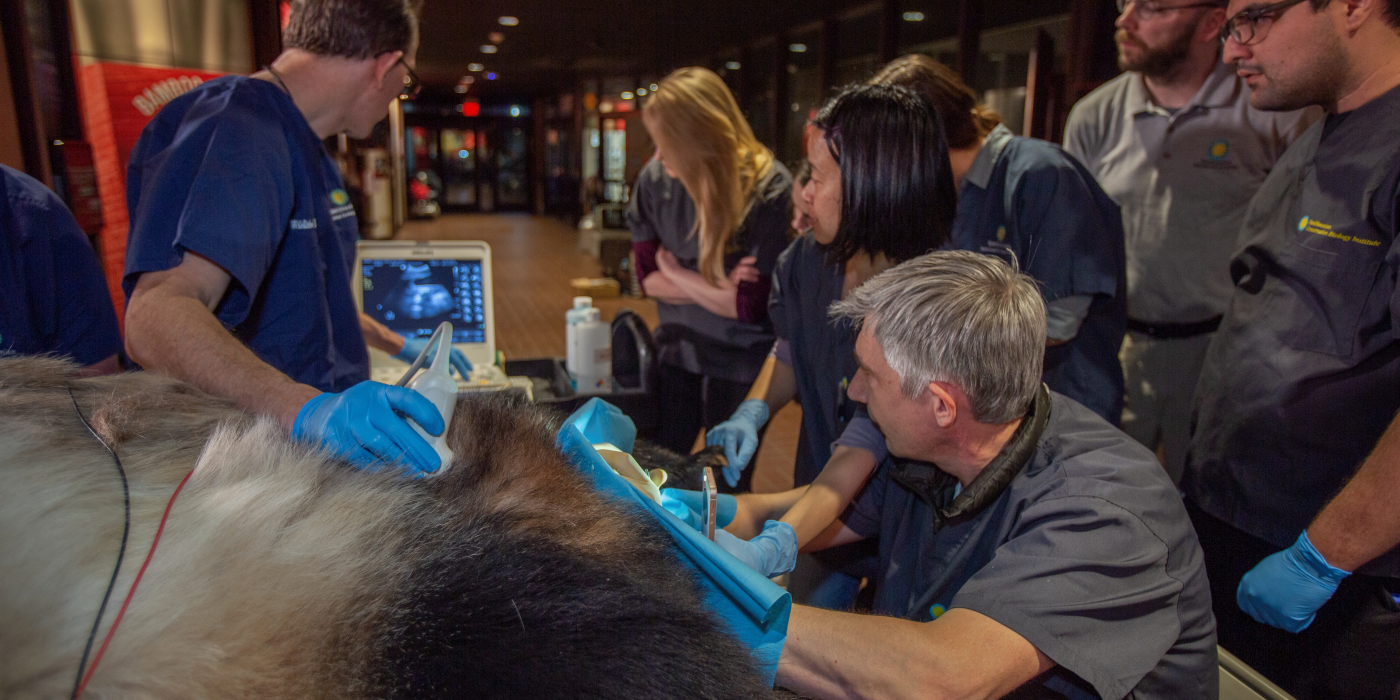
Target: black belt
1171, 331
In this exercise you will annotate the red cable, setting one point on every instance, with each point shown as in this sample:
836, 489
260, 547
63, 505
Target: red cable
113, 630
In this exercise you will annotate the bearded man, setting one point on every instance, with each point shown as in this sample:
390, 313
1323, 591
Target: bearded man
1176, 143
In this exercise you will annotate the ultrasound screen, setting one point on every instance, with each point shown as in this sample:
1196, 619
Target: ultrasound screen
412, 297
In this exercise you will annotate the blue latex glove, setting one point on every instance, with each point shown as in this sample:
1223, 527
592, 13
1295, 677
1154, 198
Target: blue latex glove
686, 505
413, 346
739, 437
773, 552
365, 424
1287, 588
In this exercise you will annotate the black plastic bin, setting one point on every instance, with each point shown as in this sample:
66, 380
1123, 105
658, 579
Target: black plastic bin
552, 388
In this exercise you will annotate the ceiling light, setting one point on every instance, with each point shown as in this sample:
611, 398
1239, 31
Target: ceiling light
514, 111
460, 89
641, 91
732, 65
509, 21
488, 48
797, 48
653, 87
468, 79
913, 17
490, 76
627, 96
475, 67
496, 37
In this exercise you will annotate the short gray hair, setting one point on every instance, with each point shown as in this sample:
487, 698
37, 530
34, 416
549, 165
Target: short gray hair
958, 317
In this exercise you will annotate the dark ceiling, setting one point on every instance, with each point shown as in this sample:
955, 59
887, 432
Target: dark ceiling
559, 41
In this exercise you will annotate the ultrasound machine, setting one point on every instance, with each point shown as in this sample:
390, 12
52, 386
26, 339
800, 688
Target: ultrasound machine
412, 286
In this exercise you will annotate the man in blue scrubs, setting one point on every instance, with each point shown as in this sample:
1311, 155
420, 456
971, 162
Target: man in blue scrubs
1033, 205
1023, 540
1302, 382
53, 297
238, 270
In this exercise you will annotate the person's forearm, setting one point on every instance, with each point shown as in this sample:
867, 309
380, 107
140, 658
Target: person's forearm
658, 286
839, 482
721, 301
755, 509
379, 337
180, 337
776, 385
963, 654
1363, 522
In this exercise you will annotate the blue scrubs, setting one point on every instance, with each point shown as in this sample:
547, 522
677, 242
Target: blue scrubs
231, 171
53, 298
1028, 199
805, 284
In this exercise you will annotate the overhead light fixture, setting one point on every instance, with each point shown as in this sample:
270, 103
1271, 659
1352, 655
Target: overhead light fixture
913, 17
468, 79
732, 65
475, 67
490, 76
460, 89
627, 96
797, 48
496, 37
653, 87
488, 48
641, 91
508, 21
514, 111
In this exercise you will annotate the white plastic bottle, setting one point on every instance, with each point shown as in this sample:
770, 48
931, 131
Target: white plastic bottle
572, 318
436, 384
590, 349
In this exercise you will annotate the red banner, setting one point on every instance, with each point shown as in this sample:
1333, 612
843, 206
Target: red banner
118, 101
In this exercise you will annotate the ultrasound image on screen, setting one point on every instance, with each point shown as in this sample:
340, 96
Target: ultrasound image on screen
412, 297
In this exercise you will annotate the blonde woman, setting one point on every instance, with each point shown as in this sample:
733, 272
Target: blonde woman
709, 217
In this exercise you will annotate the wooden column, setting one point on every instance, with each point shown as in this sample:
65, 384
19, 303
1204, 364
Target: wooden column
264, 31
891, 16
14, 23
969, 39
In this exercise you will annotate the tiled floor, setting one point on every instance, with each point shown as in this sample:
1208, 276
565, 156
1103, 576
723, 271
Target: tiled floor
533, 259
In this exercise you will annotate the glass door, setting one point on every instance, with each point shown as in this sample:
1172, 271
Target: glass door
459, 169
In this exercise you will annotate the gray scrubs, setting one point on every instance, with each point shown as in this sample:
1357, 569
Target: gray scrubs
1304, 375
1088, 554
690, 337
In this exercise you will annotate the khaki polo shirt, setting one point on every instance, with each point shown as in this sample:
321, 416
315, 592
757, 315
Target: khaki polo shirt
1183, 181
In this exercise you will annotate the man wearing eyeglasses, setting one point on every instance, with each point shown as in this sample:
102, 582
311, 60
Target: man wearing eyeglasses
242, 238
1175, 142
1302, 383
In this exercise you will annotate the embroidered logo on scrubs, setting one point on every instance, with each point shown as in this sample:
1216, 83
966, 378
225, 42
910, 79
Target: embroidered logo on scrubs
1308, 224
341, 208
303, 224
1216, 156
936, 611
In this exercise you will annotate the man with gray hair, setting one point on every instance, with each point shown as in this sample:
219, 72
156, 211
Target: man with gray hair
1023, 539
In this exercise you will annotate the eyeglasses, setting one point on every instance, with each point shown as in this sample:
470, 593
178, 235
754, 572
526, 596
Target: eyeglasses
411, 84
1249, 26
1148, 9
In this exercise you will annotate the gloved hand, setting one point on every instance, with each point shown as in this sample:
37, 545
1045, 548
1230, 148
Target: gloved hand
739, 437
1287, 588
365, 424
773, 552
686, 505
413, 346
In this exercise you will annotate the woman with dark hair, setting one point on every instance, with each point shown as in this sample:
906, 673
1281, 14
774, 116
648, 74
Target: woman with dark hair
1030, 202
881, 192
